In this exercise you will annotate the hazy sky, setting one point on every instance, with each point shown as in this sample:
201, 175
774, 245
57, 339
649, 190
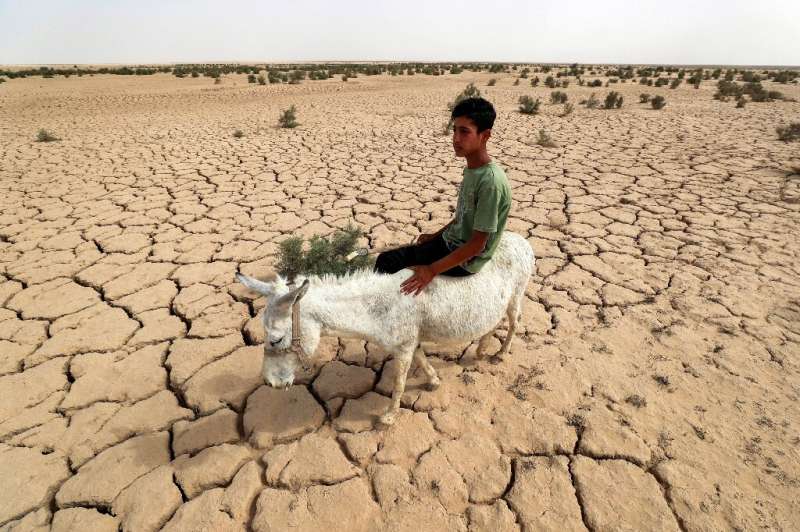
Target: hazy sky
765, 32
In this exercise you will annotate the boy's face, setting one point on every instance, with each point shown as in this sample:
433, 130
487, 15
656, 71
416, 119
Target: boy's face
466, 139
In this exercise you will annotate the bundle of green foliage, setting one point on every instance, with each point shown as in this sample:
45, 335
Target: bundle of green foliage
789, 133
323, 255
613, 100
644, 98
288, 118
558, 97
658, 102
529, 106
45, 136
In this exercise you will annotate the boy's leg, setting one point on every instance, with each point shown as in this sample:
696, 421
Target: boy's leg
395, 260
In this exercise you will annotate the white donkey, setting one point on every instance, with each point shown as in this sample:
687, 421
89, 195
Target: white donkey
370, 306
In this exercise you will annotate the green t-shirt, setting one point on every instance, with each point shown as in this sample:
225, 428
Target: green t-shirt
484, 200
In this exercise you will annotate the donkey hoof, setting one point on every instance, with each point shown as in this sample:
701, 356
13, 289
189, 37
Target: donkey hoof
388, 418
433, 384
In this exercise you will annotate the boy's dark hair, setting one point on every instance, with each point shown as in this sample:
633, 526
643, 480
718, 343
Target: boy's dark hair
478, 110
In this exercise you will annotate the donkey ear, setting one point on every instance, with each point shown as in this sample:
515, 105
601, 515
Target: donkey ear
261, 287
295, 295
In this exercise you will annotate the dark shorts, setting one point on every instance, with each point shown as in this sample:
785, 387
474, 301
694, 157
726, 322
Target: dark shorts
426, 253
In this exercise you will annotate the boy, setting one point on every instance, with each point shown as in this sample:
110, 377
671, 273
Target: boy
465, 245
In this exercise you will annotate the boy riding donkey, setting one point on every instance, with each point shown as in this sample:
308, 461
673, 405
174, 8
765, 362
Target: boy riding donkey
467, 242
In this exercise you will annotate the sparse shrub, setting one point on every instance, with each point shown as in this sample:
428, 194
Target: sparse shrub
644, 98
658, 102
550, 82
674, 83
534, 81
568, 108
789, 133
251, 78
195, 74
740, 102
529, 106
217, 81
545, 141
45, 136
636, 400
592, 102
492, 82
613, 100
558, 97
323, 256
2, 80
344, 77
288, 118
516, 82
261, 79
238, 134
595, 83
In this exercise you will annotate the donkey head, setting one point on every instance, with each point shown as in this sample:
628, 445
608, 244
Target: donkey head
280, 362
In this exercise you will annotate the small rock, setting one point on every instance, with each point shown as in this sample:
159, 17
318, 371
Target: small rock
192, 436
211, 467
341, 380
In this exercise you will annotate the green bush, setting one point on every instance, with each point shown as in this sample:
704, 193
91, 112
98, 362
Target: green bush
558, 97
251, 78
789, 133
323, 256
674, 83
613, 100
644, 98
516, 82
658, 102
470, 91
492, 82
529, 106
288, 118
45, 136
550, 82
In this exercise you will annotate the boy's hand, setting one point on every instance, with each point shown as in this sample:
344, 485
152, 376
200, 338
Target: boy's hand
415, 284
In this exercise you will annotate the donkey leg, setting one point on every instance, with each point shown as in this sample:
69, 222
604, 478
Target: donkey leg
404, 362
422, 361
512, 313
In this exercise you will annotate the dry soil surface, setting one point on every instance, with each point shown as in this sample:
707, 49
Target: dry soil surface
653, 385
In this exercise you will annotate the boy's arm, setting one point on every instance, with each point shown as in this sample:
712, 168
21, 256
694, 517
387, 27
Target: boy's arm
424, 274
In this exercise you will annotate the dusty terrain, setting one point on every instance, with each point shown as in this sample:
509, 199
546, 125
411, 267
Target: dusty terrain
653, 386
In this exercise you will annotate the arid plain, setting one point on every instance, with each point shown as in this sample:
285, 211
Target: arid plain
653, 384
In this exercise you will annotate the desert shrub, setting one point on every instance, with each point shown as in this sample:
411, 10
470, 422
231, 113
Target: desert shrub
727, 88
261, 79
613, 100
740, 102
661, 82
644, 98
45, 136
516, 82
288, 118
344, 77
592, 102
545, 141
658, 102
674, 83
251, 78
534, 81
492, 82
789, 133
565, 83
2, 80
195, 74
455, 69
558, 97
323, 256
237, 134
595, 83
568, 108
217, 81
550, 82
529, 106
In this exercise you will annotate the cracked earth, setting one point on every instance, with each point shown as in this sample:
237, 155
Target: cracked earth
653, 384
